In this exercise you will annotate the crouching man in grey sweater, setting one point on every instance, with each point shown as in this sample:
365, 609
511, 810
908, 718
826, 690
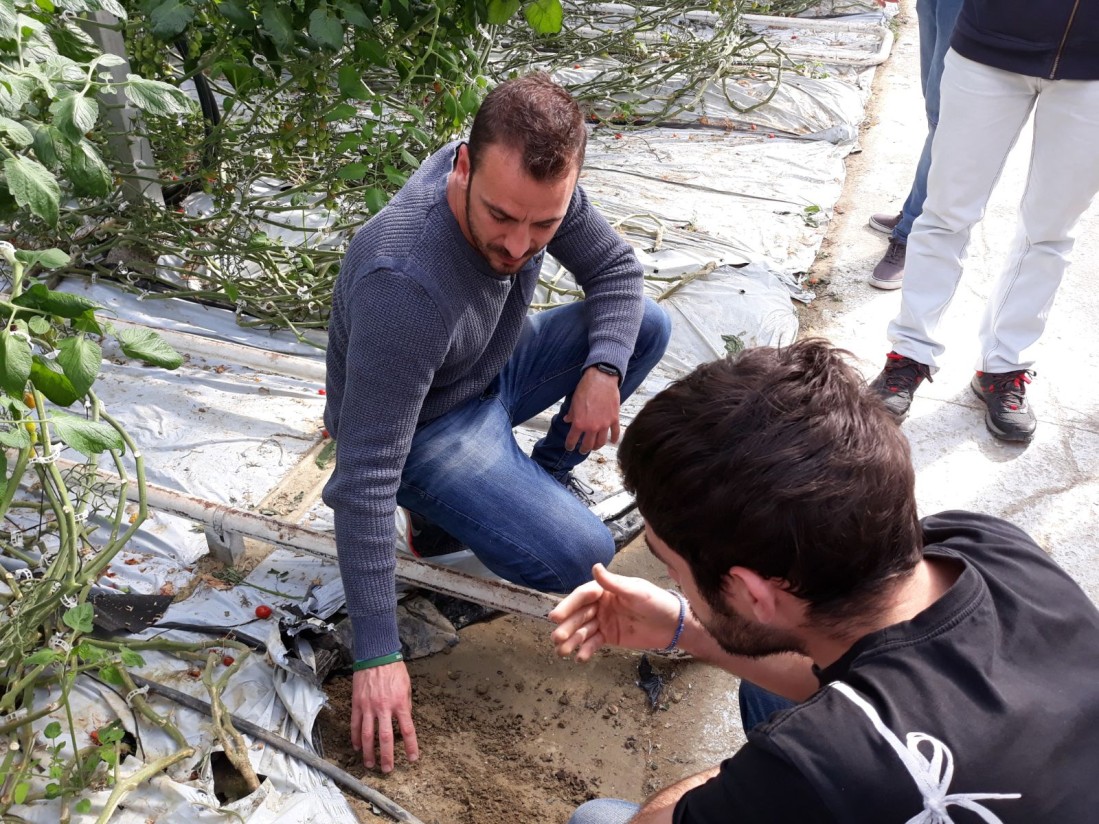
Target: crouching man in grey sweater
432, 359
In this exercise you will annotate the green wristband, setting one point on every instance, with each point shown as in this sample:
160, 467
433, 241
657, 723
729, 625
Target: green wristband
380, 661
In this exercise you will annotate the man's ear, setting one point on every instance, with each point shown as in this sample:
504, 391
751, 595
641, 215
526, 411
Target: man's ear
461, 166
750, 594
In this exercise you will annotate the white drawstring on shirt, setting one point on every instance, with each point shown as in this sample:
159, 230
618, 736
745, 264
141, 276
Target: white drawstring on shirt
932, 775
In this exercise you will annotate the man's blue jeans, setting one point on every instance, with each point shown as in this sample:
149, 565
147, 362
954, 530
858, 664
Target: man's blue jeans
756, 706
466, 474
936, 19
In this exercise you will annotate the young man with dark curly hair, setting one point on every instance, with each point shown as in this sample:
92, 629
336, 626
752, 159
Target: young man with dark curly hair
938, 670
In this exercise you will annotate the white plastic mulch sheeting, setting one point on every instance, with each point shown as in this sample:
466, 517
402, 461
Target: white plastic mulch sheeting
726, 211
230, 434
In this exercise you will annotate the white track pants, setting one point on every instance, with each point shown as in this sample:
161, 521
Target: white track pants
982, 113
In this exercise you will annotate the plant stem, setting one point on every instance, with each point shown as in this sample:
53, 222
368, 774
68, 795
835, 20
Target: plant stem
132, 782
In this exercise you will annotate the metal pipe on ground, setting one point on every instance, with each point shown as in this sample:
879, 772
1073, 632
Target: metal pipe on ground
225, 520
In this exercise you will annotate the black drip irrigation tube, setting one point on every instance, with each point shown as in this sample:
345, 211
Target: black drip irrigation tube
344, 780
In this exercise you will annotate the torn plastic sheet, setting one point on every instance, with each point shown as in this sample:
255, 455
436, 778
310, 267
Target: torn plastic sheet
270, 698
823, 108
212, 428
195, 319
773, 196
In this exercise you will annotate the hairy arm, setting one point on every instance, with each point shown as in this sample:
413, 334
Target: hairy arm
660, 807
621, 611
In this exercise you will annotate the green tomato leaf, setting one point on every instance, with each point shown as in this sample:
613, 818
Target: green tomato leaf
326, 28
113, 733
367, 48
61, 304
349, 142
38, 659
500, 11
15, 363
46, 258
19, 794
89, 654
80, 360
544, 16
51, 146
278, 24
52, 383
353, 171
353, 14
131, 658
169, 18
375, 199
470, 100
80, 617
113, 7
89, 174
17, 133
395, 177
156, 97
39, 325
237, 13
33, 187
53, 729
15, 91
86, 437
74, 115
15, 437
111, 675
83, 806
9, 22
343, 111
73, 42
148, 347
351, 84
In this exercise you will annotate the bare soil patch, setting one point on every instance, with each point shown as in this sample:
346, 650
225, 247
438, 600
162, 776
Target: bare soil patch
509, 732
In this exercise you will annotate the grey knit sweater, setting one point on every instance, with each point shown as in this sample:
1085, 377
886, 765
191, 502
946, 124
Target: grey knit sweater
420, 324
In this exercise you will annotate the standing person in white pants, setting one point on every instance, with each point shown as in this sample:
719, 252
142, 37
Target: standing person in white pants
1007, 59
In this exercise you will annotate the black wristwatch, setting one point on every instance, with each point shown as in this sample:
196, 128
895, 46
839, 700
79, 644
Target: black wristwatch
608, 369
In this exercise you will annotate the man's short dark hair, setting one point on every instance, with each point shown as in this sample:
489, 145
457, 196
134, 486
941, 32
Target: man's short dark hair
781, 461
535, 115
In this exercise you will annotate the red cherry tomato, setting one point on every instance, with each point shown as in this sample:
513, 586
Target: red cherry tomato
263, 611
228, 660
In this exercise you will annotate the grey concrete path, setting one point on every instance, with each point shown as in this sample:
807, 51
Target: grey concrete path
1049, 487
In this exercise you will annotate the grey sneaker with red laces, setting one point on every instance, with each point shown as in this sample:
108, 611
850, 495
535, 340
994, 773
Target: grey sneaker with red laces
1008, 416
897, 383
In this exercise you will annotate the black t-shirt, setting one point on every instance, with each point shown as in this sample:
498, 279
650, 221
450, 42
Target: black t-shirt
982, 709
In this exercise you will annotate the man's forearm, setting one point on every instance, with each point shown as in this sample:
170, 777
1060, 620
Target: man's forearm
659, 808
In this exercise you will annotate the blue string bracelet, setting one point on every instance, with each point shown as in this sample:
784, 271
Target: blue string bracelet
380, 661
682, 620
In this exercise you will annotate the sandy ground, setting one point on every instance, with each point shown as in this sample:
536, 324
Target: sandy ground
509, 732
